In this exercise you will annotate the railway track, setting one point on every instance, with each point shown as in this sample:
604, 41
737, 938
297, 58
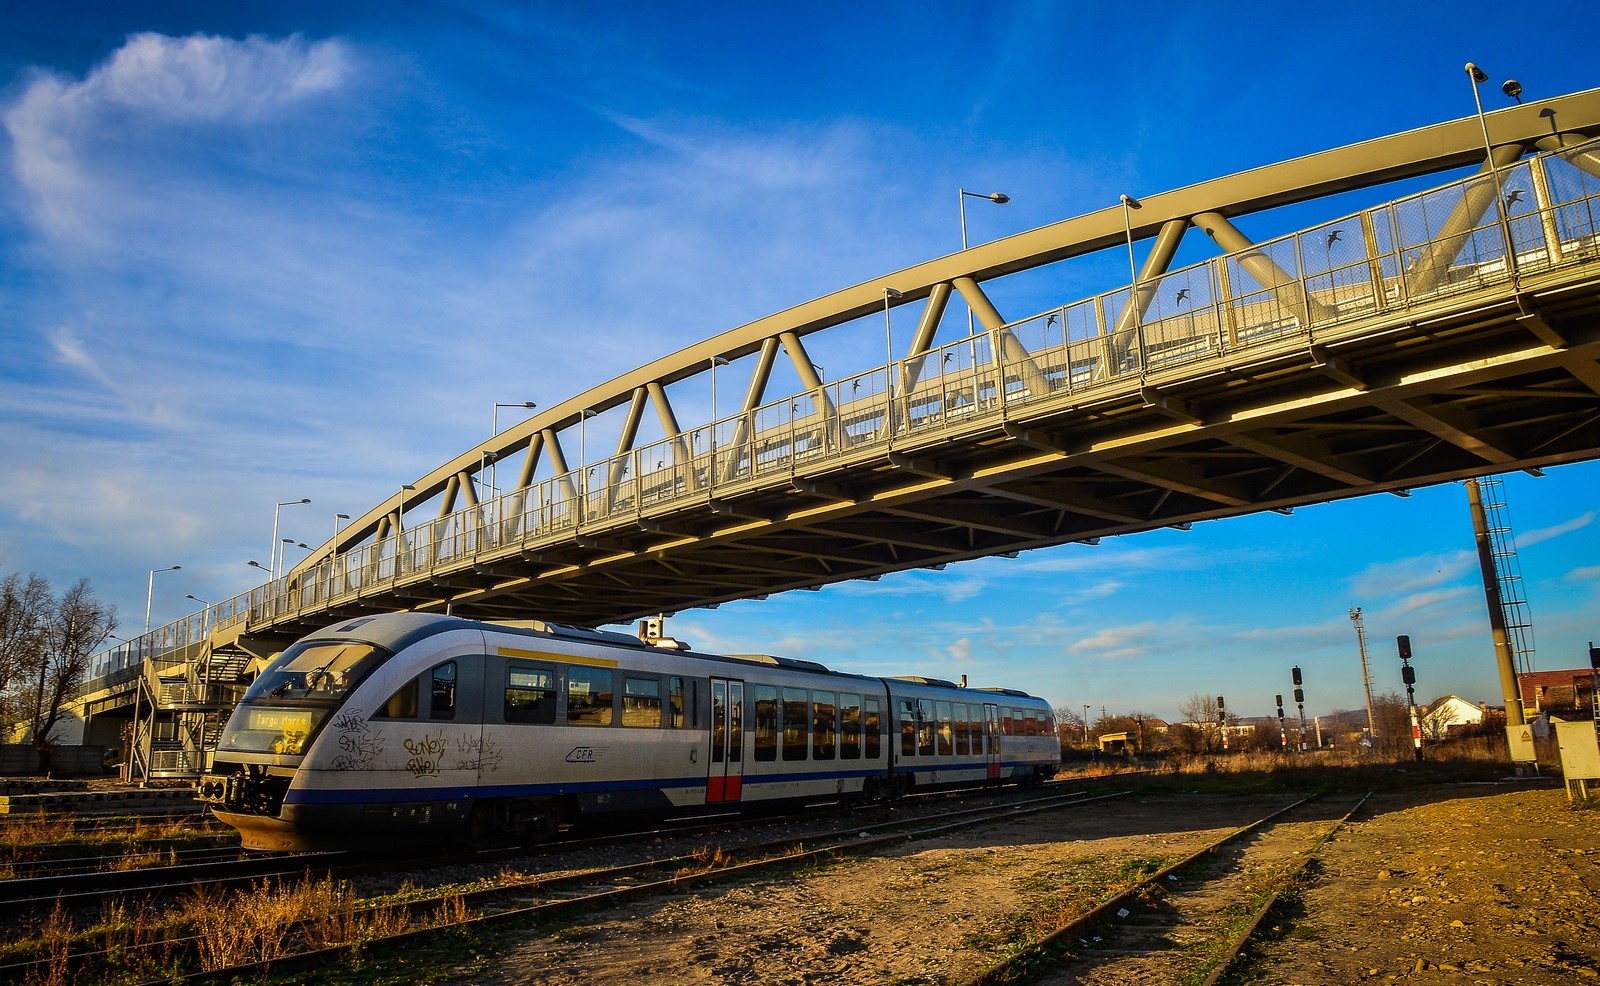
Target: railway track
305, 942
1210, 905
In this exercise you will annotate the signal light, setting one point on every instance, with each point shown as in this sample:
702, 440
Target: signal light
1404, 643
1219, 702
1408, 674
1280, 700
1594, 656
1300, 696
1295, 674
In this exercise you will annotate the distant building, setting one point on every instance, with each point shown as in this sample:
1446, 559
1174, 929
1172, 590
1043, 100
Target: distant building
1449, 712
1565, 694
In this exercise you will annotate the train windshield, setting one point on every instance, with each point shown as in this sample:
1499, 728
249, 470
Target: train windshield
295, 693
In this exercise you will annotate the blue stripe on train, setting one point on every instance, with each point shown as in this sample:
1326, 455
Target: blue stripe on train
337, 796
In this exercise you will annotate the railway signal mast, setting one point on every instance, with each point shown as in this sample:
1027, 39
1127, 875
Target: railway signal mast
1283, 733
1299, 704
1222, 724
1408, 674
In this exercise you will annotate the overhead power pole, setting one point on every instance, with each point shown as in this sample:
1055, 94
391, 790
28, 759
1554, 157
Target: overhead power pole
1504, 657
1366, 670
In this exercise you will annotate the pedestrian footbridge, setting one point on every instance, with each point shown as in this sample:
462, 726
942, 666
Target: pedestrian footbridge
1449, 333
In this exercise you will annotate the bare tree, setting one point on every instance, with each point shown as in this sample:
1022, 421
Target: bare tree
45, 647
25, 606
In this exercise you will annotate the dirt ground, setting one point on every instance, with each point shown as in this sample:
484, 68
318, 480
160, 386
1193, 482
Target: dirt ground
1453, 883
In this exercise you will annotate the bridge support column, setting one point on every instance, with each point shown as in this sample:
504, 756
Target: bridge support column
808, 376
1428, 271
1140, 296
752, 400
669, 424
1032, 377
1285, 287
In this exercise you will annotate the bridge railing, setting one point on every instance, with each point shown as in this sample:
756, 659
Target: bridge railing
1431, 245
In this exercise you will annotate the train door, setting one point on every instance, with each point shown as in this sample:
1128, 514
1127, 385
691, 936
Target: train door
725, 779
991, 739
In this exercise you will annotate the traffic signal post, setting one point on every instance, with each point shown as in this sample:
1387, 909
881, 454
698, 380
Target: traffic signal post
1408, 674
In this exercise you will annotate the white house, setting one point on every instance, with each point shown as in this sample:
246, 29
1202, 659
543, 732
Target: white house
1444, 714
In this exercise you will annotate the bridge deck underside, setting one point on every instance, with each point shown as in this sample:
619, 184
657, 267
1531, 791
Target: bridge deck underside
1487, 382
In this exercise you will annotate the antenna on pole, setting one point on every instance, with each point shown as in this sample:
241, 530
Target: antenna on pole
1366, 670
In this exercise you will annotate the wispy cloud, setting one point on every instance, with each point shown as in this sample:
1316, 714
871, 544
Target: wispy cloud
1390, 579
1543, 534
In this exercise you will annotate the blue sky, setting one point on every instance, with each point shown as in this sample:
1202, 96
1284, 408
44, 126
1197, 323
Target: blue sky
258, 252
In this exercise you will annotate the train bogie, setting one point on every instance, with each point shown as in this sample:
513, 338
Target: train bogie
416, 729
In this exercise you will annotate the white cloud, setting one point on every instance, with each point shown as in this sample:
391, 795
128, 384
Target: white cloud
1386, 580
1549, 533
64, 133
1117, 643
1587, 573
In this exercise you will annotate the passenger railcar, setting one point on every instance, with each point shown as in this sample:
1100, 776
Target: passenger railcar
411, 728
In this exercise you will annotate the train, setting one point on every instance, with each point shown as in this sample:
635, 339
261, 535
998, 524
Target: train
410, 729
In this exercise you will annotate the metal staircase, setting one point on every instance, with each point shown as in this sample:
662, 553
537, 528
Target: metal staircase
179, 710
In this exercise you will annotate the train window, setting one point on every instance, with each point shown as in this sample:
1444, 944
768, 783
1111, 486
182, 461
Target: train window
824, 725
926, 724
443, 705
766, 699
794, 724
675, 701
1030, 725
960, 713
641, 702
530, 695
908, 728
850, 727
944, 733
401, 705
874, 724
735, 722
589, 696
1006, 728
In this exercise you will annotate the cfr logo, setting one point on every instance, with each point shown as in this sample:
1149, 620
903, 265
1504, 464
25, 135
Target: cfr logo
584, 754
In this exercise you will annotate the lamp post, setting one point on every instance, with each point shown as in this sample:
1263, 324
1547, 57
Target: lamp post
1478, 75
716, 361
494, 424
336, 519
1129, 202
889, 294
272, 568
204, 613
998, 198
150, 591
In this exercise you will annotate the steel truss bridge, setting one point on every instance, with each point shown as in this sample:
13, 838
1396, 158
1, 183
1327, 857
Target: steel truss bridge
1447, 334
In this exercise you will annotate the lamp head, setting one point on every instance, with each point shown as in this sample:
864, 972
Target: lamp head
1512, 88
1478, 74
1130, 202
999, 198
889, 292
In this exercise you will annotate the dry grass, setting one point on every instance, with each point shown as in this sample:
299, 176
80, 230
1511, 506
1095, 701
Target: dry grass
703, 860
268, 920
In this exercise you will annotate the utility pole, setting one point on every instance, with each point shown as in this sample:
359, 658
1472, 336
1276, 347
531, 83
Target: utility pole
1504, 658
1366, 672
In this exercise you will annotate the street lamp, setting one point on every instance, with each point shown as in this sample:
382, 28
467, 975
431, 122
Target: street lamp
150, 591
336, 519
494, 424
1478, 75
272, 568
205, 612
888, 368
998, 198
400, 510
716, 361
